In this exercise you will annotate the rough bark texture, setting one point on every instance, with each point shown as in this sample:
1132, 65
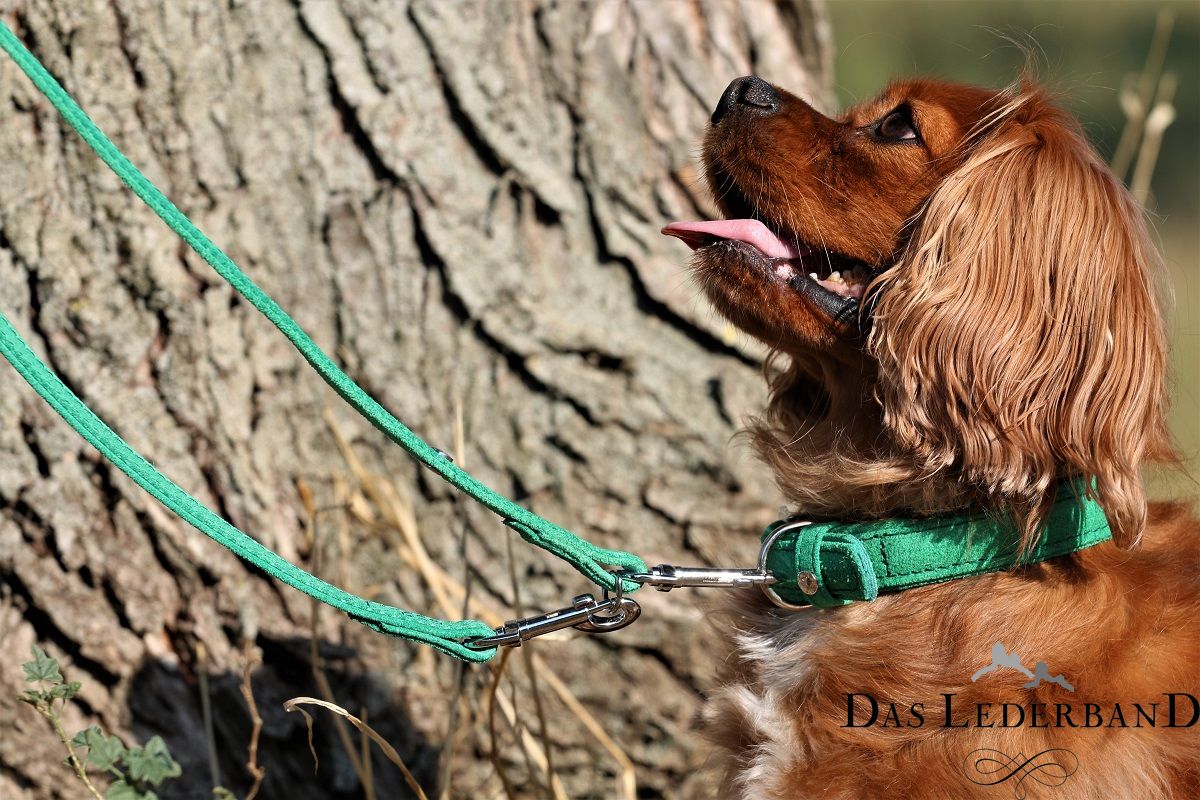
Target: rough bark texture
462, 202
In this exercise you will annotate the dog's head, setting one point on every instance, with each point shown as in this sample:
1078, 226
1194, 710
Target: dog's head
967, 252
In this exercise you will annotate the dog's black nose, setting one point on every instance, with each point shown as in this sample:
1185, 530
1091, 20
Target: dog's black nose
751, 91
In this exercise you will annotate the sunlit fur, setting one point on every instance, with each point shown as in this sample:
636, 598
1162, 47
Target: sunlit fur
1015, 340
1018, 337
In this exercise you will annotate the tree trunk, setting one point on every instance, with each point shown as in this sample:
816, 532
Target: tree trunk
461, 202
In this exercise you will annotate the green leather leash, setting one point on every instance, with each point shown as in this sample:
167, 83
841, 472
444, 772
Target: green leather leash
801, 563
447, 637
594, 562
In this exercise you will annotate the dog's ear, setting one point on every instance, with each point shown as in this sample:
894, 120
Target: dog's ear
1019, 337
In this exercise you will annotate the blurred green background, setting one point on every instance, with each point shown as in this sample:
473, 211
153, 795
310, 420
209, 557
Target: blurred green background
1086, 49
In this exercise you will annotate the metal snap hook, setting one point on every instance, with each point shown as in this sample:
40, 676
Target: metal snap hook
585, 613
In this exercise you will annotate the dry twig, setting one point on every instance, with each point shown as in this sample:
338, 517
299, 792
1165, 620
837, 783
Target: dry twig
296, 703
257, 771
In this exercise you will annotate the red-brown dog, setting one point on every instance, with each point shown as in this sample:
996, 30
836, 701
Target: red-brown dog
960, 299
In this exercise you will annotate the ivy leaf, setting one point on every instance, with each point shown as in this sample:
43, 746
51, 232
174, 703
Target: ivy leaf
120, 790
152, 763
33, 697
81, 739
64, 690
103, 751
42, 668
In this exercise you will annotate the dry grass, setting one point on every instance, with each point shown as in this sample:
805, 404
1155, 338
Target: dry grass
482, 722
1146, 101
257, 771
297, 703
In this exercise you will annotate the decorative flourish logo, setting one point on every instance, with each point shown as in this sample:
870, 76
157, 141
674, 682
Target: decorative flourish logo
987, 767
1002, 659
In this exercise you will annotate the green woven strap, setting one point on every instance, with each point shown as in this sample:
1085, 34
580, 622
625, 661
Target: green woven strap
592, 561
445, 636
842, 562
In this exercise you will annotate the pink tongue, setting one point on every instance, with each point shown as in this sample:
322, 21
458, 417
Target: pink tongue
750, 231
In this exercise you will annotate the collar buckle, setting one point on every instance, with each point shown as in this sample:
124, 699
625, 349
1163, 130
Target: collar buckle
776, 531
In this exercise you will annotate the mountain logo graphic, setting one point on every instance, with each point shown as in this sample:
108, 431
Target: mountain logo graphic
1002, 659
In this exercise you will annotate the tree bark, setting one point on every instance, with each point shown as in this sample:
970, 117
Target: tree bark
461, 202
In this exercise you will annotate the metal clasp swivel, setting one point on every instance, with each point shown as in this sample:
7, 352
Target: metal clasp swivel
665, 577
590, 615
585, 613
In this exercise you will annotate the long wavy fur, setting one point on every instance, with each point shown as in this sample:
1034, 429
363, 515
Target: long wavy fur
1017, 341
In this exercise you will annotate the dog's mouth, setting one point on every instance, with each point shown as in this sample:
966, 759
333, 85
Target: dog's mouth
796, 264
835, 283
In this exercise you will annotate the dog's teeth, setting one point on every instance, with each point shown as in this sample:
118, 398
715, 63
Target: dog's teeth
836, 277
813, 275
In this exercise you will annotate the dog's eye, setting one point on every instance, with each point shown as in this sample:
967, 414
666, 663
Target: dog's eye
897, 126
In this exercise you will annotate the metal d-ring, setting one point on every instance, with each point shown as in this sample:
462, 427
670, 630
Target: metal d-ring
622, 612
768, 589
585, 613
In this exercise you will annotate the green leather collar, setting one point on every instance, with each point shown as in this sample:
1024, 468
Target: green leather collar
829, 564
